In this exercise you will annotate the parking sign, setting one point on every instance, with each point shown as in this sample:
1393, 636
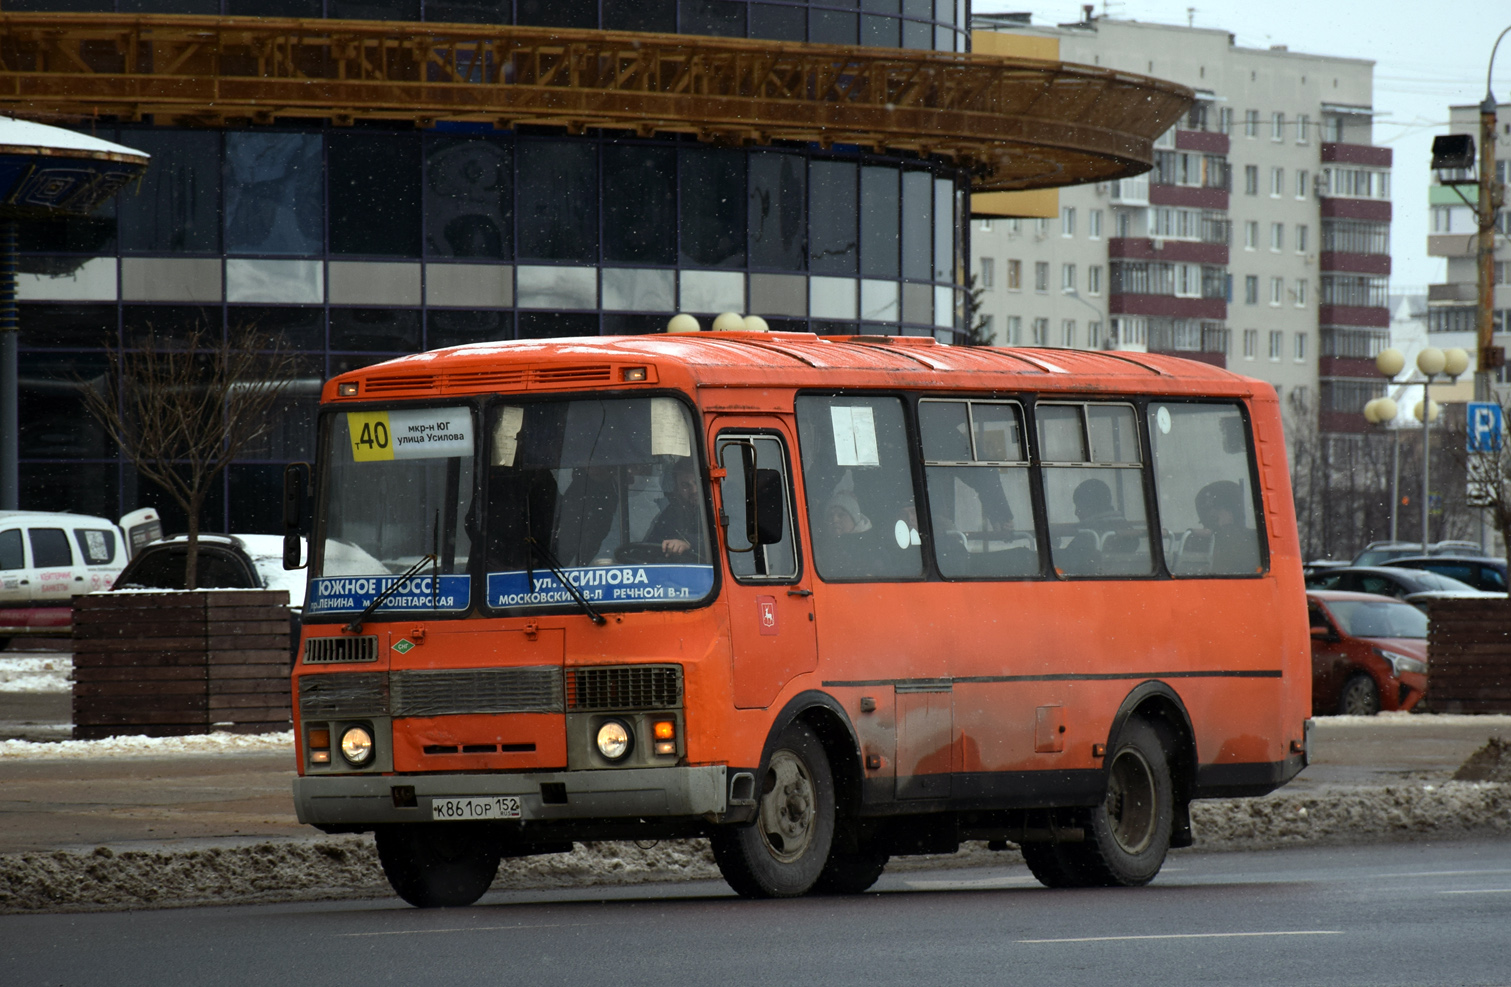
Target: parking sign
1484, 426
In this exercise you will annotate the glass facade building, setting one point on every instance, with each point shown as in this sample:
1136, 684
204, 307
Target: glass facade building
363, 242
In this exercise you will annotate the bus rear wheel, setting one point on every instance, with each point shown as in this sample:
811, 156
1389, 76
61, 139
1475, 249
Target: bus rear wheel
439, 865
1128, 833
851, 871
783, 853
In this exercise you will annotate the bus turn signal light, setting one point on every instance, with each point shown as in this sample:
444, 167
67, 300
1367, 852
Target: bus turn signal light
320, 746
347, 389
665, 730
632, 374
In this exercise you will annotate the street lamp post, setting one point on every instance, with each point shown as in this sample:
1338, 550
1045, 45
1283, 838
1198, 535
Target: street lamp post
1383, 411
1491, 197
1431, 362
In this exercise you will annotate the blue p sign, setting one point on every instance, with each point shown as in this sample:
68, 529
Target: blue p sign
1484, 426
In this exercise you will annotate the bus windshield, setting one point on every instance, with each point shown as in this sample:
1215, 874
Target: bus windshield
605, 492
398, 487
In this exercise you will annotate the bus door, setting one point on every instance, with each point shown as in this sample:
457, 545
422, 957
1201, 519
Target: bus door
770, 606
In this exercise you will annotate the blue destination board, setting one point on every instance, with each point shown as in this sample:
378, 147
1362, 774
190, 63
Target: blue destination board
602, 584
352, 594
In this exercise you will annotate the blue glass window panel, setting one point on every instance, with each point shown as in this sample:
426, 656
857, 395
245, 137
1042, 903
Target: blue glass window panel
375, 194
274, 8
880, 220
880, 32
557, 193
546, 325
469, 198
374, 10
469, 11
944, 229
381, 330
557, 13
275, 201
832, 209
639, 204
832, 27
298, 327
175, 208
917, 35
718, 18
778, 22
777, 214
713, 207
917, 224
640, 15
453, 327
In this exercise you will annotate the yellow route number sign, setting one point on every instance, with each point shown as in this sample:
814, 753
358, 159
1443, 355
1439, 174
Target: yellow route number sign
419, 433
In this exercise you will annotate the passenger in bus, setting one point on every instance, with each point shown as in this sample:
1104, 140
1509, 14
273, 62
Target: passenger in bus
1235, 546
842, 539
678, 529
1098, 522
586, 514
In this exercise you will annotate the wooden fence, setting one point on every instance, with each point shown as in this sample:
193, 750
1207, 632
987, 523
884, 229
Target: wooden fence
169, 663
1469, 656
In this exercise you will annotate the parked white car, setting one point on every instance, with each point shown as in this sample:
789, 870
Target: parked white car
46, 559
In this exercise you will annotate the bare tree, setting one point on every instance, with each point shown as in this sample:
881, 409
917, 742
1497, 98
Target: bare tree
183, 413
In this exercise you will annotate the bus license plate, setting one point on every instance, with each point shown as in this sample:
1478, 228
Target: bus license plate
497, 807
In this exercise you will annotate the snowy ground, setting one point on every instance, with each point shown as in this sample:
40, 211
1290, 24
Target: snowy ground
208, 743
36, 671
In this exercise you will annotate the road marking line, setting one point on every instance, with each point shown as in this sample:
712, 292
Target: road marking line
470, 928
1480, 891
1189, 935
1438, 873
978, 883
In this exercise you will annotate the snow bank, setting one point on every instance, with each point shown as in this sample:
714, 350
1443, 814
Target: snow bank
36, 673
205, 743
344, 867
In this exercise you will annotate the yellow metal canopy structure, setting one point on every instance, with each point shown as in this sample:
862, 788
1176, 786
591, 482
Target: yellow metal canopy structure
1015, 123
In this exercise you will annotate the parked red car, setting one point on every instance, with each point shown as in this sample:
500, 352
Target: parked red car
1368, 653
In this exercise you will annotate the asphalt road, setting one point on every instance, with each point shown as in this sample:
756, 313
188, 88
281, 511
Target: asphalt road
1394, 915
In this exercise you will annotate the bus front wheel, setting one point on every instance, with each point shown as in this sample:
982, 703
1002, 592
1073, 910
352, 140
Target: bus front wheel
1128, 833
783, 853
440, 864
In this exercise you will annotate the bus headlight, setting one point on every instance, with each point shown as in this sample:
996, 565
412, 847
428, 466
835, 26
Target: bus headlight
357, 745
614, 740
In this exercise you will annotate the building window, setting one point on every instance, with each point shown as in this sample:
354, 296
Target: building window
1041, 332
1094, 279
1277, 290
1251, 235
1250, 343
1442, 219
1068, 332
1277, 343
1332, 129
1015, 275
1303, 125
1300, 347
988, 273
1068, 278
1277, 236
1124, 223
1094, 335
1251, 289
1094, 224
1300, 294
1302, 176
986, 226
1041, 226
1014, 330
1251, 123
1225, 120
1068, 221
1041, 276
1250, 179
1277, 182
1301, 238
1014, 227
1277, 126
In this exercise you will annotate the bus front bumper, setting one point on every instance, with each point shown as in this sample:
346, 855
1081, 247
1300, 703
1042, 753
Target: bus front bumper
641, 793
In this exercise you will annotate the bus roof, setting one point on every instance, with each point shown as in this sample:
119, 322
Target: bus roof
780, 359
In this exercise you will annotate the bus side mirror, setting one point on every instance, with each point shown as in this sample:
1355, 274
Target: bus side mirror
295, 482
770, 517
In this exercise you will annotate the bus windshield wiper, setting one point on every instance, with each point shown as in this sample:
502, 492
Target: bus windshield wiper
355, 627
544, 553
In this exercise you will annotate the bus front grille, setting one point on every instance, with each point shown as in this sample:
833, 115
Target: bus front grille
342, 694
329, 650
625, 687
476, 690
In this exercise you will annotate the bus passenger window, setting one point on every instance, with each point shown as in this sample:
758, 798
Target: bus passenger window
859, 488
1203, 489
1098, 524
979, 506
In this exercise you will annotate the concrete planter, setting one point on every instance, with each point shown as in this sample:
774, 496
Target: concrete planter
178, 662
1468, 656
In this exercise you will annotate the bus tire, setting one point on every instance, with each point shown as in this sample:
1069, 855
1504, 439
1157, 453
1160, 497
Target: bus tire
1360, 696
784, 851
1128, 834
438, 865
850, 872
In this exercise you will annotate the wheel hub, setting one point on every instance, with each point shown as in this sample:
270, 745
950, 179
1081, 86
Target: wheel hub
787, 809
1131, 801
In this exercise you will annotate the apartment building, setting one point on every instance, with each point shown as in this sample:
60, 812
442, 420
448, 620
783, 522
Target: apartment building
1259, 242
1452, 307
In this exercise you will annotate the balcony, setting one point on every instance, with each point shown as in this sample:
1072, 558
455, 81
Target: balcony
1459, 291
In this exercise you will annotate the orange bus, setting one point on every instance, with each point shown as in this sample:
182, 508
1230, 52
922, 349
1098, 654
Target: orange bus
822, 600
